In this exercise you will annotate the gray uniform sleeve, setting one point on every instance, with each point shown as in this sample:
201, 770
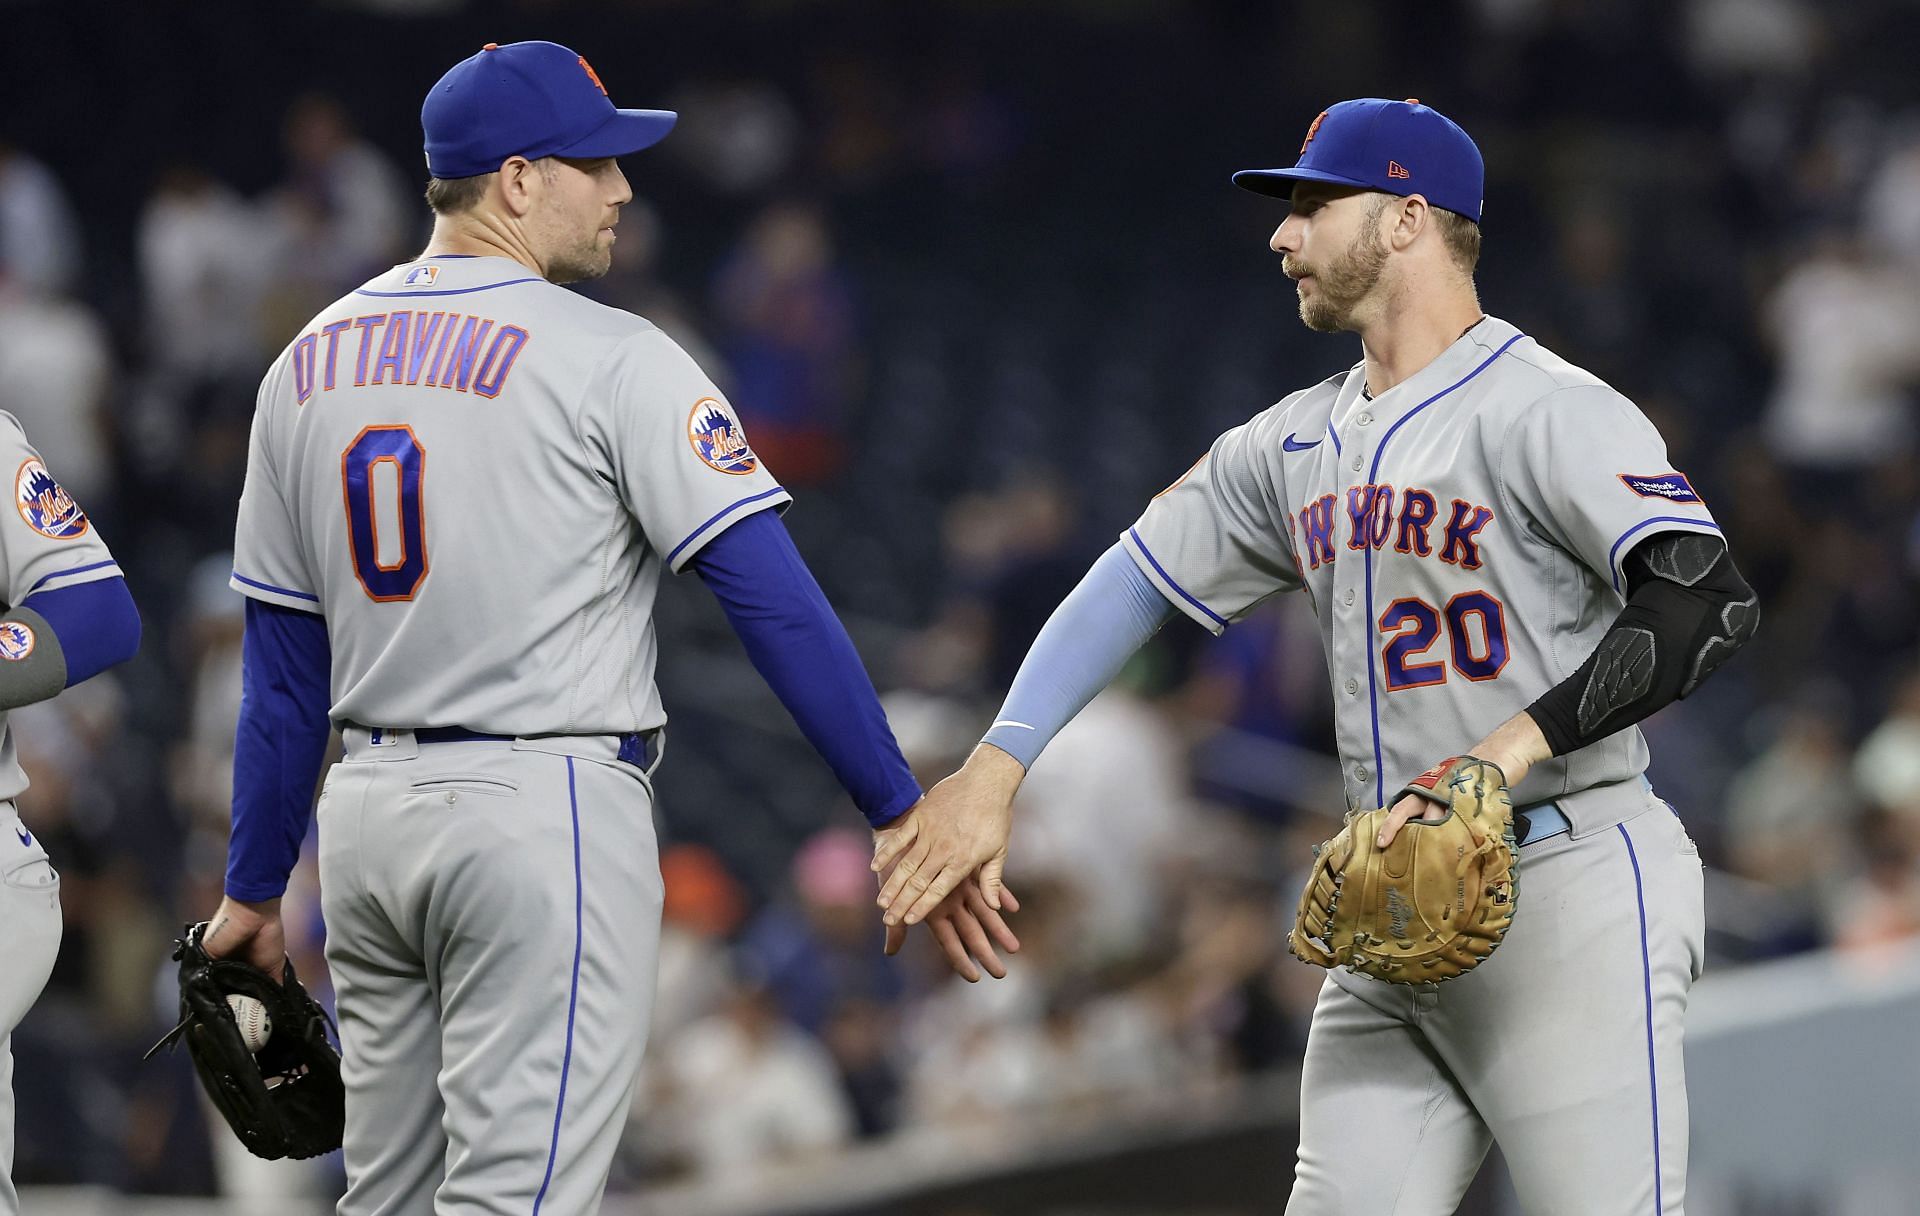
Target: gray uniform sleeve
1217, 541
1586, 470
673, 448
269, 563
47, 541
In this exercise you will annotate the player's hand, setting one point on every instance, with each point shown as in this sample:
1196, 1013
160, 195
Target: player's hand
1514, 747
967, 930
960, 827
1411, 807
251, 933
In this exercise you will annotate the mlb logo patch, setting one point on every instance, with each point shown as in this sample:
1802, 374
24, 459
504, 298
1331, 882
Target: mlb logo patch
421, 276
16, 641
1673, 487
48, 509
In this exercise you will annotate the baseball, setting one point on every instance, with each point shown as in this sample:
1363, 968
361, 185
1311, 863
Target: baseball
251, 1016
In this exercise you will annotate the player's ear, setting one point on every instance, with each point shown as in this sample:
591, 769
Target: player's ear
1409, 217
520, 181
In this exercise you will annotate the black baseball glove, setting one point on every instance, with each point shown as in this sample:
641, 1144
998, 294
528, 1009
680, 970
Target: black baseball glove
286, 1100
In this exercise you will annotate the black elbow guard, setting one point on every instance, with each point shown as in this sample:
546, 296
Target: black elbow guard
1699, 568
1687, 611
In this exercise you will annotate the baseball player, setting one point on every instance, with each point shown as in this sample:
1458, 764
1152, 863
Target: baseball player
1503, 563
463, 486
70, 618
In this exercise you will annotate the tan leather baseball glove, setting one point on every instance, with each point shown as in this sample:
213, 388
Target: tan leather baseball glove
1431, 905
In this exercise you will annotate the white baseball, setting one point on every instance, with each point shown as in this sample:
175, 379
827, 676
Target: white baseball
255, 1026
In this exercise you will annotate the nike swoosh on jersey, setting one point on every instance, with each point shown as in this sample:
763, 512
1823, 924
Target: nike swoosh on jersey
25, 836
1291, 445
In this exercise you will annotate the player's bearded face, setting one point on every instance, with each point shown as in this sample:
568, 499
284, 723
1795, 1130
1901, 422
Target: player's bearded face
1341, 280
582, 204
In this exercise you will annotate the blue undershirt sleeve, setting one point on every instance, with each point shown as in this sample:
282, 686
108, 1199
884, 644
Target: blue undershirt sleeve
804, 654
278, 745
1083, 645
96, 622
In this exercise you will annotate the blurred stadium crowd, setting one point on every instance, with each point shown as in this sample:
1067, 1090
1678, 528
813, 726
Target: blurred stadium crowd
979, 286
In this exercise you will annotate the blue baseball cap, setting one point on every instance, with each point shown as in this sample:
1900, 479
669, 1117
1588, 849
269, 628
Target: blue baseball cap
530, 99
1400, 147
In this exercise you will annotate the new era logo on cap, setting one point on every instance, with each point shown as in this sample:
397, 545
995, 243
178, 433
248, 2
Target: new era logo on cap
1400, 147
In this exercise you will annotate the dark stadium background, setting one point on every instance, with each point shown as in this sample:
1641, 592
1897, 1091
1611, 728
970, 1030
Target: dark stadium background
1026, 297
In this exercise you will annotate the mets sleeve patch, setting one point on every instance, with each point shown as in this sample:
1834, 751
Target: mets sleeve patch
16, 640
48, 509
718, 439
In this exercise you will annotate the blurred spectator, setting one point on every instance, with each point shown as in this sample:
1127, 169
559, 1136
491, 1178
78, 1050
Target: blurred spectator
704, 905
1887, 766
824, 948
1010, 557
1753, 37
1881, 905
1261, 715
1104, 812
55, 370
201, 274
207, 642
786, 311
1843, 325
342, 215
40, 247
739, 136
745, 1087
1892, 208
1789, 814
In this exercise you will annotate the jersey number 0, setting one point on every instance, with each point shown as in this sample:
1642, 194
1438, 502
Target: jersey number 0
372, 504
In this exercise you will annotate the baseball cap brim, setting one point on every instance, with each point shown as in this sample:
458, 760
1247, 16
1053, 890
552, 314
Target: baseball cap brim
1278, 183
624, 131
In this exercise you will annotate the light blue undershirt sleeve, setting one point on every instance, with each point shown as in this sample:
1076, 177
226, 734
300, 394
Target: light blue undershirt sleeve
1082, 647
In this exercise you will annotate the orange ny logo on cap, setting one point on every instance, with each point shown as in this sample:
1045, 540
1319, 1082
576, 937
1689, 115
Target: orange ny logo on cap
592, 75
1311, 132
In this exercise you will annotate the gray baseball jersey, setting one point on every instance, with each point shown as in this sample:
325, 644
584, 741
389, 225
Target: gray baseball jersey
46, 542
476, 476
1461, 538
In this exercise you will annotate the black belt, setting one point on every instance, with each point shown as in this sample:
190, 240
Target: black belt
638, 748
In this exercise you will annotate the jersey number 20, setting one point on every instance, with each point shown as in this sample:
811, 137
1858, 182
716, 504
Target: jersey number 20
1412, 626
381, 504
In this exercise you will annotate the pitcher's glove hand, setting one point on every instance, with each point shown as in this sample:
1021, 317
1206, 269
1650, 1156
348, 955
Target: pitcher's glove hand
287, 1099
1431, 905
